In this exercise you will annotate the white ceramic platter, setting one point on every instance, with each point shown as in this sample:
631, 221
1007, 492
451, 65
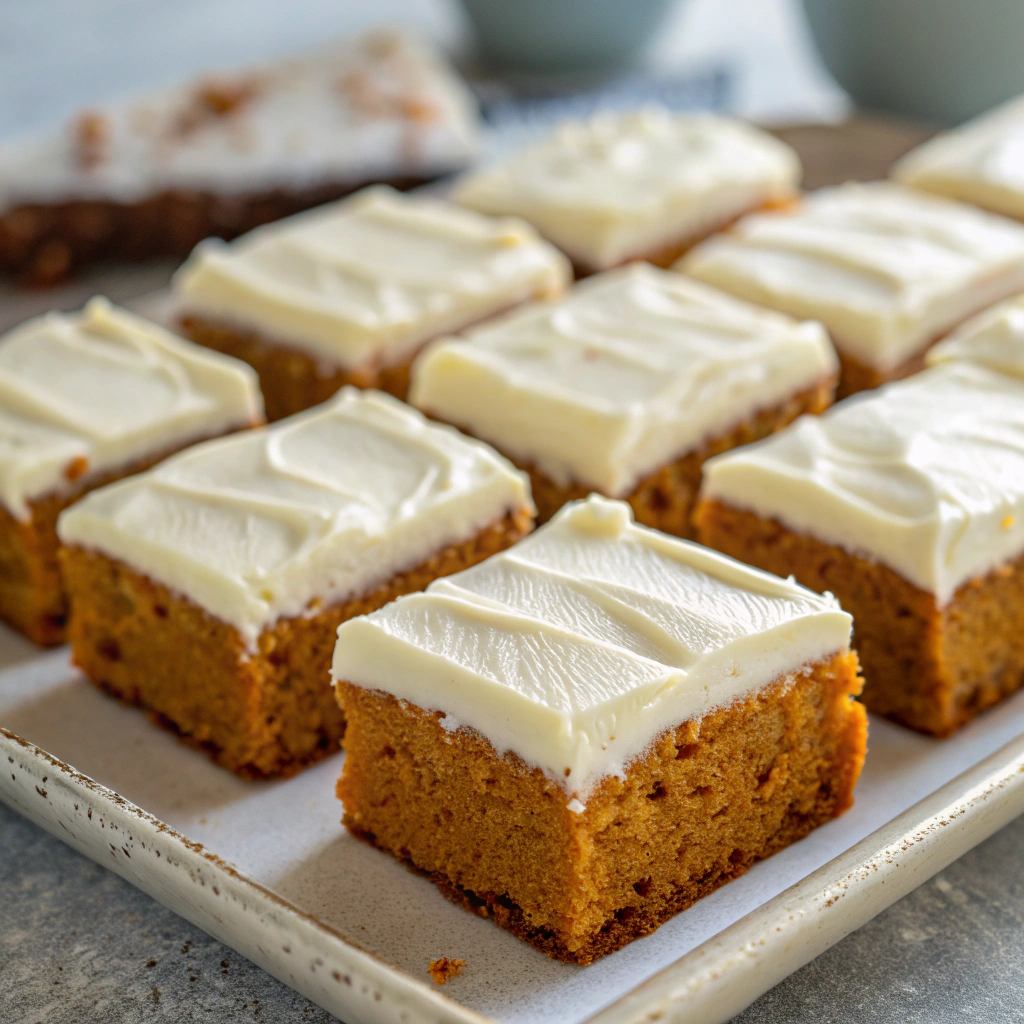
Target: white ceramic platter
267, 868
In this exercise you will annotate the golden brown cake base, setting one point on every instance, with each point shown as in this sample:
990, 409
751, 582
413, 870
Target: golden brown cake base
855, 376
32, 597
268, 713
665, 500
699, 808
292, 380
927, 667
42, 244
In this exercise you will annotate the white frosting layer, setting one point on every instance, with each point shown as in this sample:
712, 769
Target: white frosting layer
631, 370
994, 339
370, 278
621, 185
886, 269
316, 509
84, 394
579, 646
383, 106
925, 476
981, 162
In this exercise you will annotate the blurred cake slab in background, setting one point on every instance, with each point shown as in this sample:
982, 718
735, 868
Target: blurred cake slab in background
155, 174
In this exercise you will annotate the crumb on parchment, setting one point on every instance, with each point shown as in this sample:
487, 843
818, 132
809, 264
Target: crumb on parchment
444, 969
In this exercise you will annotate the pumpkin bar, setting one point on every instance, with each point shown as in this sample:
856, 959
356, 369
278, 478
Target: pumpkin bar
209, 590
908, 505
626, 385
978, 162
86, 398
348, 293
153, 175
644, 184
887, 269
585, 734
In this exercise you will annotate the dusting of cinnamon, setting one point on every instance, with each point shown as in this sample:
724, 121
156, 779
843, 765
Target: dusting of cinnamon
213, 100
76, 468
373, 98
91, 135
443, 970
416, 108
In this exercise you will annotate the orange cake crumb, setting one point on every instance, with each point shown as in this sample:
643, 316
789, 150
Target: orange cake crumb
444, 969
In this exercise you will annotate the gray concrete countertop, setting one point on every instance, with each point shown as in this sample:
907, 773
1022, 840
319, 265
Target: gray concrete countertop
80, 946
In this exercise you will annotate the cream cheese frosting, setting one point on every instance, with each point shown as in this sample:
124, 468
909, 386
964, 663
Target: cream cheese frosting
382, 106
925, 476
887, 269
622, 185
87, 393
316, 509
981, 162
632, 369
370, 278
579, 646
994, 339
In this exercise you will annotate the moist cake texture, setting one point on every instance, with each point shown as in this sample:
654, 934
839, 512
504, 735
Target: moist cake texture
623, 386
908, 504
208, 590
978, 162
584, 734
636, 184
156, 174
86, 398
887, 269
348, 293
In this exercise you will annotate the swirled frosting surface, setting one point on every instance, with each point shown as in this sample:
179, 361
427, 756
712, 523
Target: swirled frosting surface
994, 339
318, 508
631, 370
981, 162
580, 645
86, 393
925, 476
370, 278
622, 185
383, 106
887, 269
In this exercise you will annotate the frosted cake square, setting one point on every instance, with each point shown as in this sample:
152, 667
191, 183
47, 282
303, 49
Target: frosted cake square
348, 293
978, 162
908, 505
86, 398
209, 590
643, 184
626, 385
153, 175
585, 734
887, 269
